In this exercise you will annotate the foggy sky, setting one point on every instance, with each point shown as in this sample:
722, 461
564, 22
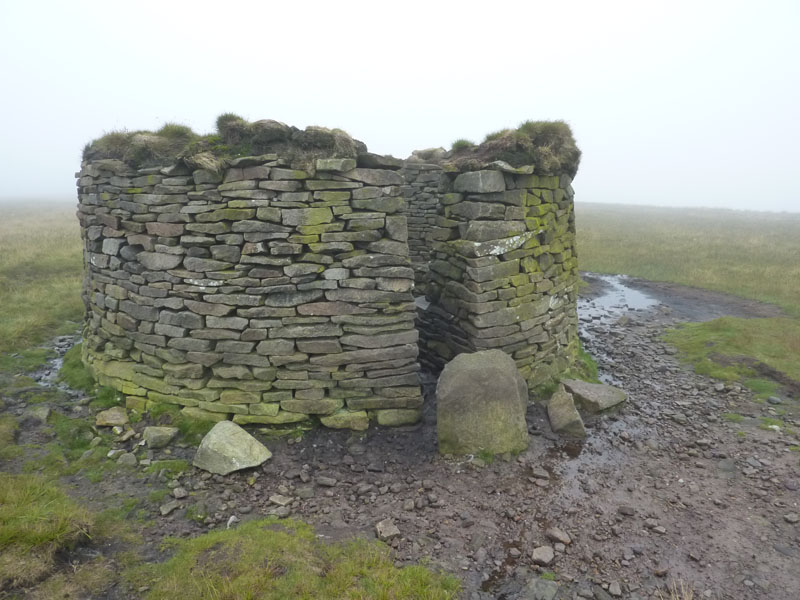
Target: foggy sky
673, 103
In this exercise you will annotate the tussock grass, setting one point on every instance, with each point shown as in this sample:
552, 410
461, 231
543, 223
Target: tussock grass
40, 273
547, 145
234, 137
270, 559
37, 520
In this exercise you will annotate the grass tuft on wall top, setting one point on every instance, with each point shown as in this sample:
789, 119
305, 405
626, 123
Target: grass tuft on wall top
547, 145
235, 136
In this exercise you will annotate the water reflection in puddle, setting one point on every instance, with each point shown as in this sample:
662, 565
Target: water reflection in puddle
615, 301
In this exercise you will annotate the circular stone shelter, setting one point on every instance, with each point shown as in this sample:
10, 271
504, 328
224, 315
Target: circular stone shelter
267, 274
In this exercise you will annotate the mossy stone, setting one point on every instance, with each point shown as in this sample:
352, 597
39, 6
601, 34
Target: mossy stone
345, 419
481, 404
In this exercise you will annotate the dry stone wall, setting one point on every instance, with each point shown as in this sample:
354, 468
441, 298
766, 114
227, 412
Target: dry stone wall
263, 293
421, 191
502, 271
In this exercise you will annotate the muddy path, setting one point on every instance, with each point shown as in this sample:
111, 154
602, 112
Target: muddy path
691, 480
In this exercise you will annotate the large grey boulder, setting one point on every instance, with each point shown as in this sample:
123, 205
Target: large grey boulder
227, 448
594, 397
481, 402
563, 415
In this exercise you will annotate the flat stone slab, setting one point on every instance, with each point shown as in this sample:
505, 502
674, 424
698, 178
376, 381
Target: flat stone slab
228, 448
112, 417
594, 397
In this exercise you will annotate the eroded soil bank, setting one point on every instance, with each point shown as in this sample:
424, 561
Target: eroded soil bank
691, 480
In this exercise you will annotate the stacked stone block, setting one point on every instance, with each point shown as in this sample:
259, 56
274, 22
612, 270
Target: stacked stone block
263, 293
503, 272
421, 191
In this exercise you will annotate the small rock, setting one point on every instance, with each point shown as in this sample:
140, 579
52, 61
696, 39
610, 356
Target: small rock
112, 417
540, 589
168, 507
304, 492
280, 499
326, 481
127, 459
543, 555
159, 437
540, 473
386, 530
557, 535
628, 511
408, 504
791, 518
179, 492
614, 589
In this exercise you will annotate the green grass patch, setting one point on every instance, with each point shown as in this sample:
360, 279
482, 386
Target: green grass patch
192, 430
106, 397
733, 417
171, 467
74, 373
270, 559
547, 575
753, 351
37, 520
41, 270
158, 496
25, 360
769, 423
8, 436
73, 435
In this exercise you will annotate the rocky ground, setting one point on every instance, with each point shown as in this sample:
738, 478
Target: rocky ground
670, 488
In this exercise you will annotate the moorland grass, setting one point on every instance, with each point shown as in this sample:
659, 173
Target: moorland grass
749, 254
268, 559
37, 520
40, 273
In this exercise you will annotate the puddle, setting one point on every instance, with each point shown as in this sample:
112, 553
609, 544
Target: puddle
616, 300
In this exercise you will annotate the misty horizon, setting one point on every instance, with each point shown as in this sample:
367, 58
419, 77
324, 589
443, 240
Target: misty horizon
673, 104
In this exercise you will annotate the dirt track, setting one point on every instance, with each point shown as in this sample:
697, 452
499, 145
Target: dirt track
665, 489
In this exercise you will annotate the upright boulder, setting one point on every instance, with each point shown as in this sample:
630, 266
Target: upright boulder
227, 448
594, 397
563, 415
481, 402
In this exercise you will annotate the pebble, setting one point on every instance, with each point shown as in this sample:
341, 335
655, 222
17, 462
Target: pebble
543, 555
791, 518
326, 481
180, 492
386, 530
557, 535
